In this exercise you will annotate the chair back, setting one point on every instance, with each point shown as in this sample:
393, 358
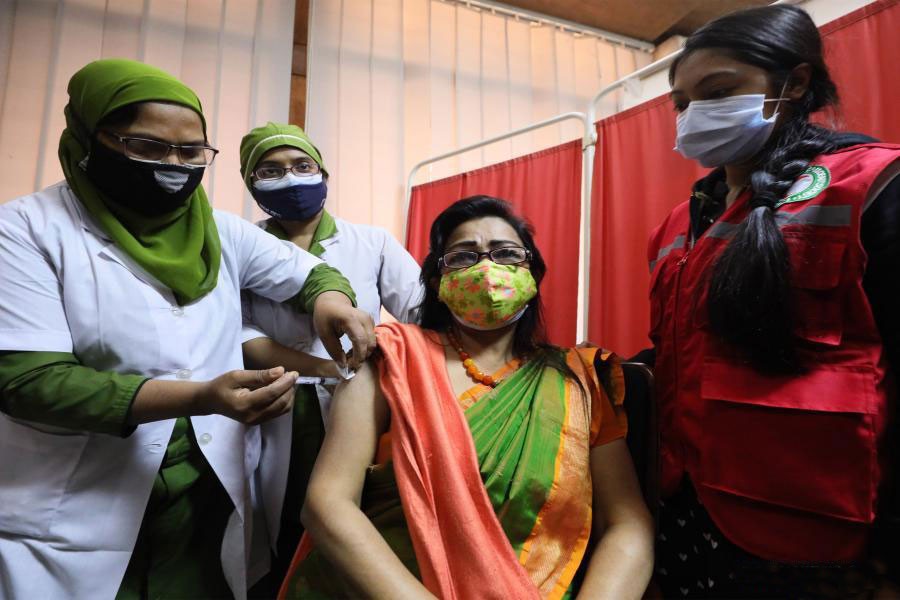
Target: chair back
643, 429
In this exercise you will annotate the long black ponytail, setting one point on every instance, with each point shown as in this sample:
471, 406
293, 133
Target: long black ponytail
749, 295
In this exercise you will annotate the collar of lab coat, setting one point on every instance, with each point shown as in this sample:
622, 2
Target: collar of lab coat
109, 248
327, 232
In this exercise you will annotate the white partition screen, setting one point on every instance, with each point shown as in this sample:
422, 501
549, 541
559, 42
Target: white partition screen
392, 82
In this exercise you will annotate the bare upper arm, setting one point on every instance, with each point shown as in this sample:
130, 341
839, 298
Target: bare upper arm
256, 353
617, 494
358, 416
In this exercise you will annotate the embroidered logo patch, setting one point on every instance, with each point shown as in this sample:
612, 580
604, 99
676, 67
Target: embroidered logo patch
810, 184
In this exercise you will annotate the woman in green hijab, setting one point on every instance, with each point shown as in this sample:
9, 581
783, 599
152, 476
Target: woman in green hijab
129, 460
286, 175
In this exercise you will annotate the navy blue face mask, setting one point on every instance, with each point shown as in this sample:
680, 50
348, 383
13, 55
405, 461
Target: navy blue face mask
294, 198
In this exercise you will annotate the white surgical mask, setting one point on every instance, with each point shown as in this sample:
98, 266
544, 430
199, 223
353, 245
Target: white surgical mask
724, 131
289, 180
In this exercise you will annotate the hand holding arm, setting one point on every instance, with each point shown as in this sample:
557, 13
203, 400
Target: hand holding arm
334, 316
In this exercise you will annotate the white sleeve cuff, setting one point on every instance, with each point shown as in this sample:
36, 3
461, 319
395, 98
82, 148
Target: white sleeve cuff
14, 340
250, 332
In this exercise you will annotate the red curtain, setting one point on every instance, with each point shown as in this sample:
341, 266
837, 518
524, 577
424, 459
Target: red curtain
638, 178
862, 49
545, 188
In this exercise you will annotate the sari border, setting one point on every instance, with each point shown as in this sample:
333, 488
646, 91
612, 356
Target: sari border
567, 476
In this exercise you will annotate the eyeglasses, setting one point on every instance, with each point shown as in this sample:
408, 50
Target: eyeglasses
146, 150
304, 168
510, 255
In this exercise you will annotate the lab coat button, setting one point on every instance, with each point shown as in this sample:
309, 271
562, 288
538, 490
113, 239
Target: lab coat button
184, 373
177, 311
205, 439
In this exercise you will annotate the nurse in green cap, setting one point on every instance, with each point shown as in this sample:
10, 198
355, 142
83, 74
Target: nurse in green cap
287, 177
129, 455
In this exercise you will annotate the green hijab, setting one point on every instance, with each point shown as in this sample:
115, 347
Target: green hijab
274, 135
181, 249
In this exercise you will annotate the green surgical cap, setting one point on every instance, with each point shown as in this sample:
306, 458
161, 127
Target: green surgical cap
274, 135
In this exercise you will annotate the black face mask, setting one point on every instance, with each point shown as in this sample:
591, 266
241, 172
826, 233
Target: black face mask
150, 189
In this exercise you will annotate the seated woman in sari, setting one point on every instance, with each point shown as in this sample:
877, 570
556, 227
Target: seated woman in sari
437, 480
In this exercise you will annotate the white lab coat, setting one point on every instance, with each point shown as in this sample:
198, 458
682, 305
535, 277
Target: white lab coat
71, 503
381, 272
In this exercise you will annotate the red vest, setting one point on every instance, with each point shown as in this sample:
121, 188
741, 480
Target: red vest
786, 466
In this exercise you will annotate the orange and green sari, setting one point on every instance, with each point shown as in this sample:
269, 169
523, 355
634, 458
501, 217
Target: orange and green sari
487, 495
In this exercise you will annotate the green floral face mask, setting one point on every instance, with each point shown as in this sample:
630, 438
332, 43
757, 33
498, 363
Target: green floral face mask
487, 295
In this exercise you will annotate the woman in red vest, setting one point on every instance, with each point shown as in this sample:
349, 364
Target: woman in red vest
774, 302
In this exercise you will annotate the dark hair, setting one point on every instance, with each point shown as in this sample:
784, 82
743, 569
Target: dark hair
120, 118
749, 295
530, 339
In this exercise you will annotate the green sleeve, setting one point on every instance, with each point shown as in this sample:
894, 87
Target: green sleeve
322, 278
53, 388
